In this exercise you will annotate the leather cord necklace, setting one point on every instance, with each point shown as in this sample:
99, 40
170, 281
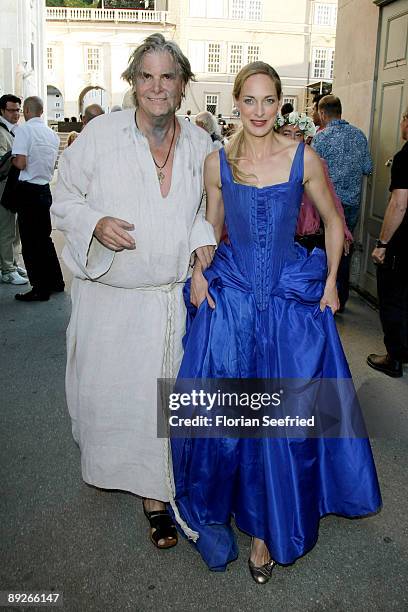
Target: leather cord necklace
160, 175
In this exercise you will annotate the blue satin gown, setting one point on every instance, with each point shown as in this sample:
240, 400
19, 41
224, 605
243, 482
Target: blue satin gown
267, 323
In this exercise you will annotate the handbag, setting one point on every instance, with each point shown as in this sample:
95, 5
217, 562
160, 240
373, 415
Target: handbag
9, 198
5, 165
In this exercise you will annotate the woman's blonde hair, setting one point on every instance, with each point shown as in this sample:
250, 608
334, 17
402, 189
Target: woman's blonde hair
234, 147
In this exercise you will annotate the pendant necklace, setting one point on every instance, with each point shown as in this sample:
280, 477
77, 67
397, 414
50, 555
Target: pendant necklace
160, 175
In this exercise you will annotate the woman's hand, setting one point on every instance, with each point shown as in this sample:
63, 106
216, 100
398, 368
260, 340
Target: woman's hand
330, 298
205, 255
199, 288
346, 247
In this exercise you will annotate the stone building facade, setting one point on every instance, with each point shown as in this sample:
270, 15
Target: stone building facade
22, 47
87, 49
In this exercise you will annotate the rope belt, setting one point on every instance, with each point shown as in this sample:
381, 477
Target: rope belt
168, 371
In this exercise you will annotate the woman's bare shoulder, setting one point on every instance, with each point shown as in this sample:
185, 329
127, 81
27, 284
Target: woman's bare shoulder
312, 160
212, 169
213, 158
212, 163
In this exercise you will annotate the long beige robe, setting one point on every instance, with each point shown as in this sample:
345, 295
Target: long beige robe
128, 315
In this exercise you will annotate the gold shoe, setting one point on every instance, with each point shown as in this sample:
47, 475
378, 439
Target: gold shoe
261, 574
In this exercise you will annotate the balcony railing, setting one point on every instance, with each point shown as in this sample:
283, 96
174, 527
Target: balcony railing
115, 15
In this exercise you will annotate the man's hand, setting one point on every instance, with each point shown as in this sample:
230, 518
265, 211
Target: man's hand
111, 232
378, 255
199, 288
205, 255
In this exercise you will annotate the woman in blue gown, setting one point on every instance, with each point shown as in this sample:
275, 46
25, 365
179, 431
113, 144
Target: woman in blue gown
264, 309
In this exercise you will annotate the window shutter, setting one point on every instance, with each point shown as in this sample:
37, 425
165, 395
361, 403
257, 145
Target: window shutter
215, 8
196, 55
197, 8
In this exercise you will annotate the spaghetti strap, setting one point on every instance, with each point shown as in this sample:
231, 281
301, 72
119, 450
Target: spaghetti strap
297, 169
225, 170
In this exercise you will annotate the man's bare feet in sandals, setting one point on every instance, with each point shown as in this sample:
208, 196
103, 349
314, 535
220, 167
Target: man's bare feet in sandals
163, 532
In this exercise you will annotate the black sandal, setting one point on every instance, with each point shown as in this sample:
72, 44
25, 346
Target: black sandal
161, 528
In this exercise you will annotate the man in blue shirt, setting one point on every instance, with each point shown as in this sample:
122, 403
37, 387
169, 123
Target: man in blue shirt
345, 149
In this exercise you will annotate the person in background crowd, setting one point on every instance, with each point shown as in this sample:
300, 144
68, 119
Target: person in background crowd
286, 109
310, 229
35, 151
10, 271
315, 112
207, 122
71, 137
345, 149
391, 257
230, 130
222, 123
128, 202
92, 111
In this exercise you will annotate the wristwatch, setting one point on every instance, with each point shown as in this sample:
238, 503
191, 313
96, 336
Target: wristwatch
380, 245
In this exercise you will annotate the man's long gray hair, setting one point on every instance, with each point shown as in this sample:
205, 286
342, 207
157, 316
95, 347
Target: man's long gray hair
156, 43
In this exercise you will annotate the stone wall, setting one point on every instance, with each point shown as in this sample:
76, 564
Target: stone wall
354, 64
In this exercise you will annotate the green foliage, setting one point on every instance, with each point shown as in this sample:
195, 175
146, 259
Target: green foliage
132, 4
81, 3
73, 3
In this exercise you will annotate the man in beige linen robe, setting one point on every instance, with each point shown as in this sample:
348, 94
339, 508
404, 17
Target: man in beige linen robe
128, 314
